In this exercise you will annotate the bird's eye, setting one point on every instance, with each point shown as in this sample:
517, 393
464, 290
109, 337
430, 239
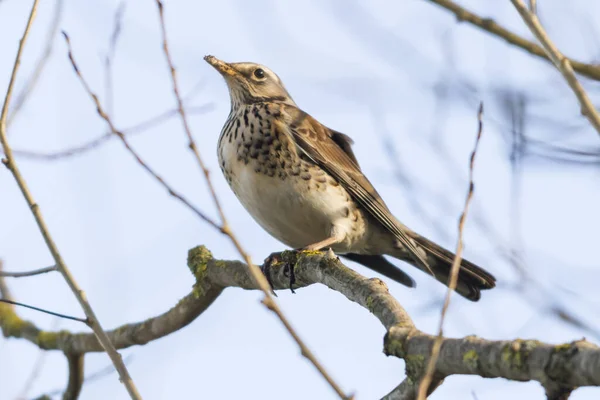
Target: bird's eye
259, 73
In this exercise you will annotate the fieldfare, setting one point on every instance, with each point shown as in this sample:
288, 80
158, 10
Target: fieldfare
302, 183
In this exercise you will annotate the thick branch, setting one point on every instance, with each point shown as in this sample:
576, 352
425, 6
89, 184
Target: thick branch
559, 368
76, 377
567, 365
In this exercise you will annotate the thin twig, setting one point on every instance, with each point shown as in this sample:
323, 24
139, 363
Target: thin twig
489, 25
561, 62
112, 48
65, 316
435, 351
121, 136
186, 126
28, 273
37, 367
256, 274
105, 137
10, 163
22, 97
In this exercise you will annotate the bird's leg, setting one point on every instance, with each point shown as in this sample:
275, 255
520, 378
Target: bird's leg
322, 244
337, 235
276, 258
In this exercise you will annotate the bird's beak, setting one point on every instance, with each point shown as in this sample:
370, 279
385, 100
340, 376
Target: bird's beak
224, 68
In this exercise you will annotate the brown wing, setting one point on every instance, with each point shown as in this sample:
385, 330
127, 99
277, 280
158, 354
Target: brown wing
331, 151
345, 142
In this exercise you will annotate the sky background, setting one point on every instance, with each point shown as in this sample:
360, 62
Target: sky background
400, 77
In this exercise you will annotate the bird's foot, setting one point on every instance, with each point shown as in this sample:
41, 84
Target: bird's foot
288, 268
289, 271
288, 260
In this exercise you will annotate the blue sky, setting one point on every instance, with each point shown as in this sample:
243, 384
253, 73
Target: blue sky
371, 70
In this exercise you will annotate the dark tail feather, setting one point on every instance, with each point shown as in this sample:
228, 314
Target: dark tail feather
471, 278
383, 266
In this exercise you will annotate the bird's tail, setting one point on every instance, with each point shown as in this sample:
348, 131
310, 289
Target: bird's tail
471, 278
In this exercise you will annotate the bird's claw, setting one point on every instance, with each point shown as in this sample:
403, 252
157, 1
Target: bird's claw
288, 270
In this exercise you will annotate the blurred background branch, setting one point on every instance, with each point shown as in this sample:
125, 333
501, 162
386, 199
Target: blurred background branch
560, 62
25, 93
591, 71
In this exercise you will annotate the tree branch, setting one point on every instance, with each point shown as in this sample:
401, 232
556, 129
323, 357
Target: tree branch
35, 76
42, 310
489, 25
76, 366
560, 62
126, 143
559, 368
28, 273
567, 366
107, 136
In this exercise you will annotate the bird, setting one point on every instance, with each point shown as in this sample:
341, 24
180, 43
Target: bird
302, 183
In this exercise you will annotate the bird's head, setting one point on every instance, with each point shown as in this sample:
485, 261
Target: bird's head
251, 83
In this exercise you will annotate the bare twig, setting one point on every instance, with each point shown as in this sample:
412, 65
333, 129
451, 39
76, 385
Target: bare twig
60, 264
38, 366
121, 136
561, 63
489, 25
34, 374
105, 137
28, 273
186, 126
435, 351
16, 303
256, 274
112, 48
22, 97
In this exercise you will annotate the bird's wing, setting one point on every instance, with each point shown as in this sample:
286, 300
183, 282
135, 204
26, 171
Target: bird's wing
331, 151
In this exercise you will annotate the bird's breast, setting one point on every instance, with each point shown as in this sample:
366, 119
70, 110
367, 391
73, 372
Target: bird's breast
289, 196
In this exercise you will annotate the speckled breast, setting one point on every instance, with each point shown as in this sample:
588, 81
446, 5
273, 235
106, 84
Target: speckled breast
286, 193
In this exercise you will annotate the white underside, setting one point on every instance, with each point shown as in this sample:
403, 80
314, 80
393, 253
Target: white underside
289, 210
